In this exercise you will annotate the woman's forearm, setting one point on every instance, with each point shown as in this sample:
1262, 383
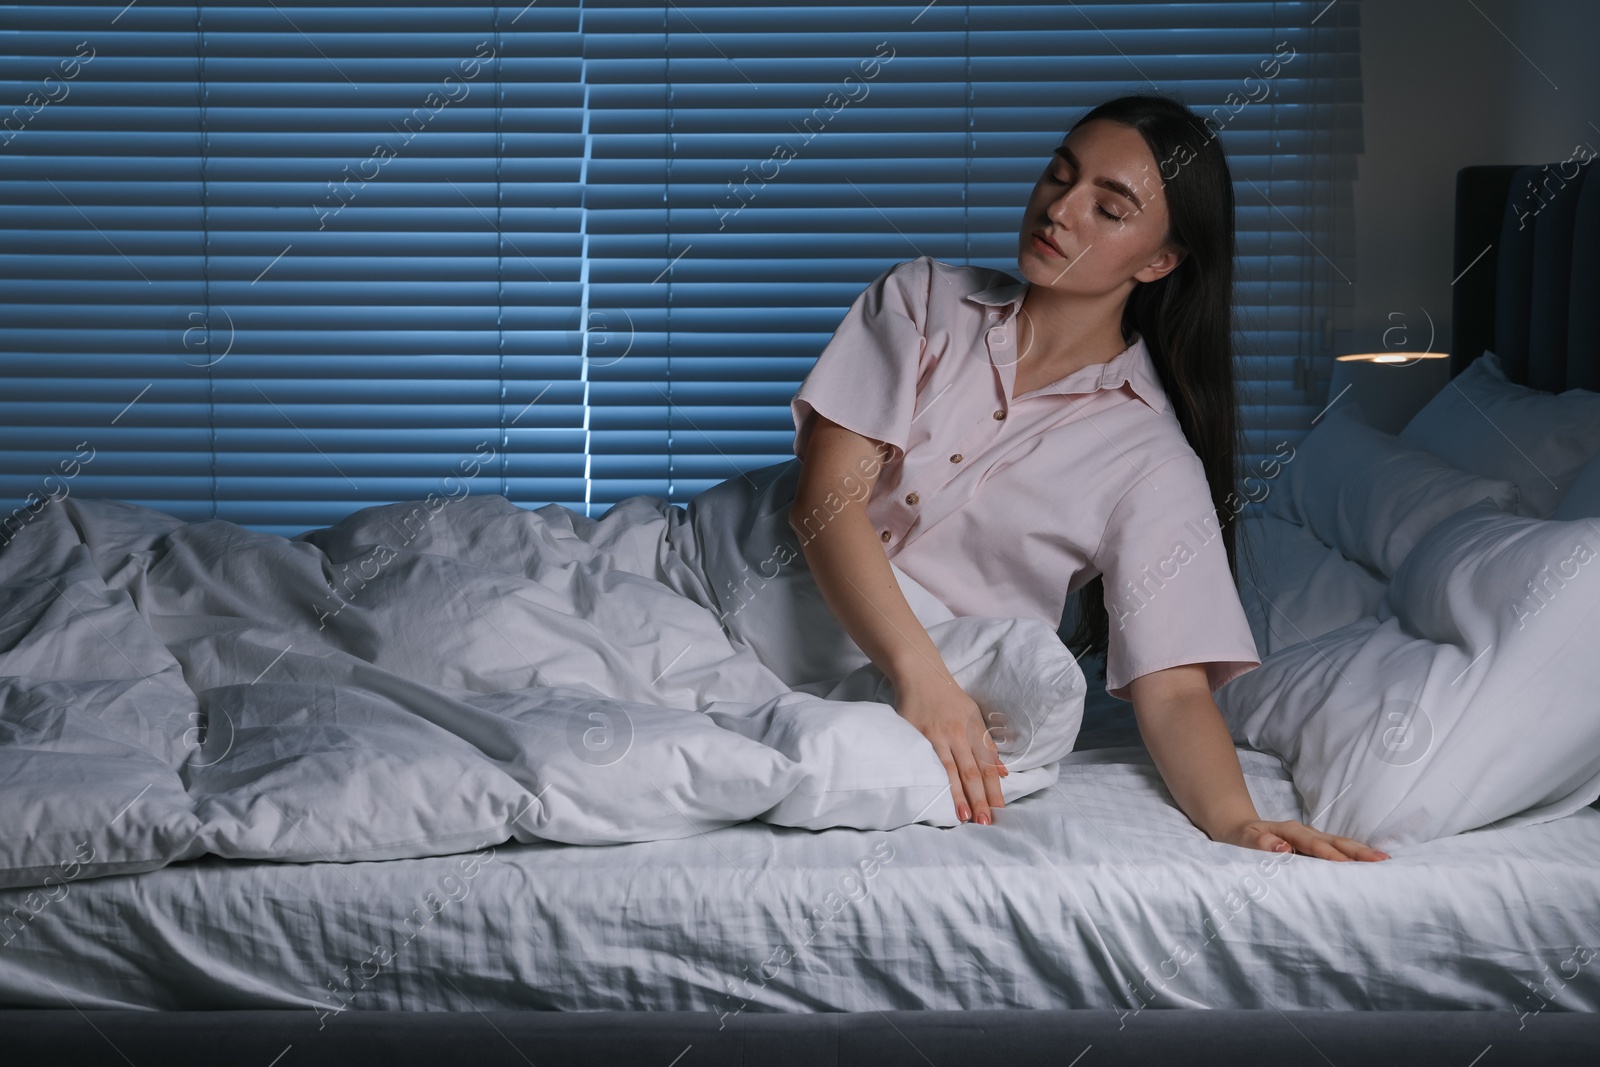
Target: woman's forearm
853, 574
1194, 752
855, 578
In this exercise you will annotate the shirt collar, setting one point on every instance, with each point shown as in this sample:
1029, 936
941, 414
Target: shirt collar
1132, 365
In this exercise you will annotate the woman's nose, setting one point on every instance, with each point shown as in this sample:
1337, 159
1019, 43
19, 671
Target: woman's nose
1063, 210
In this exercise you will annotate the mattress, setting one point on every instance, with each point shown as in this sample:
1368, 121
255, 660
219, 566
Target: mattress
1093, 893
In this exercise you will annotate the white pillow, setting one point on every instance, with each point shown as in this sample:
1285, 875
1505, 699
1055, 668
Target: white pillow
1582, 500
1295, 588
866, 766
1472, 705
1485, 424
1371, 495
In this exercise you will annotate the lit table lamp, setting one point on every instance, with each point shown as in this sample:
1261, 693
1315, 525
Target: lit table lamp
1390, 387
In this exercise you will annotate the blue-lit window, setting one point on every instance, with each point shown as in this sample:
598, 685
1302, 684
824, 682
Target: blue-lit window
271, 262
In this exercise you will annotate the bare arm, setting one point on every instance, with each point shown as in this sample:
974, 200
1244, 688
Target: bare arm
851, 570
1191, 747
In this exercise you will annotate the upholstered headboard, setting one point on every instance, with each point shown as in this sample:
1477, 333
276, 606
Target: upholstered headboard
1527, 264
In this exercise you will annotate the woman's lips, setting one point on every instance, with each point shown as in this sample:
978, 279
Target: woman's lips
1047, 248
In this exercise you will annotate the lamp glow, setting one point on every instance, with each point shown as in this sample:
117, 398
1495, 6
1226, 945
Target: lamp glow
1389, 387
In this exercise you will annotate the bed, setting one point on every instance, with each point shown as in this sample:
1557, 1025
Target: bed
1091, 921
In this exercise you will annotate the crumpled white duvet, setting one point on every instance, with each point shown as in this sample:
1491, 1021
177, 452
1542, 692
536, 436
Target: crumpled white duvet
429, 677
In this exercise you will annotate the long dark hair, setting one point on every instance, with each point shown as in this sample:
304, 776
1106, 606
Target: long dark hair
1186, 317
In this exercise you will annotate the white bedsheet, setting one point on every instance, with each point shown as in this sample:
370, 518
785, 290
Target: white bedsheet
1093, 893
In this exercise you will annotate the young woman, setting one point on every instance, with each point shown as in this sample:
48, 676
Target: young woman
1073, 432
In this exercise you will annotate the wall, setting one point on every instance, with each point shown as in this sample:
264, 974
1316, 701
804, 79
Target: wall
1448, 83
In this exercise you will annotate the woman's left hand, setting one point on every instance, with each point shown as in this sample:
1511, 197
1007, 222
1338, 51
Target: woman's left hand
1298, 837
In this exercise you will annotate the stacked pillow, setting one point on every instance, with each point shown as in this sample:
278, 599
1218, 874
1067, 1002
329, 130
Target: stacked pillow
1467, 699
1495, 428
1349, 506
1582, 501
1372, 495
1472, 705
1294, 588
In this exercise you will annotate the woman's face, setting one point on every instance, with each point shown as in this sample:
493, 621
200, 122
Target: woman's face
1101, 202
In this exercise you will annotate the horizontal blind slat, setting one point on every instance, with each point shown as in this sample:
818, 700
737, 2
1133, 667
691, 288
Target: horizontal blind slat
269, 227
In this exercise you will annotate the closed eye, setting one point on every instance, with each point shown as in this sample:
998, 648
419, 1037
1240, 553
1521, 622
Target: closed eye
1098, 207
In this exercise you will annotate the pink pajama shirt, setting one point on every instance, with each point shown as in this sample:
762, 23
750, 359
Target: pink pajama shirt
1003, 507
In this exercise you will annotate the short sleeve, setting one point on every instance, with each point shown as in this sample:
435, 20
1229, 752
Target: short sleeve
866, 377
1168, 592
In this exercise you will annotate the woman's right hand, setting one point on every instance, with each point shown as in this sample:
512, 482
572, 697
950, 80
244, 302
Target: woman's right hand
953, 723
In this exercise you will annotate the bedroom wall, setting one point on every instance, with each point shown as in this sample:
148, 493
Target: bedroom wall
1448, 83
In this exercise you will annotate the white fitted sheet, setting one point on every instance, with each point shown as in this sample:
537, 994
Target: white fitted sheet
1092, 893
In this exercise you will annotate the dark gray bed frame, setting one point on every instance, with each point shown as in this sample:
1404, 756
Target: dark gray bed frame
1527, 266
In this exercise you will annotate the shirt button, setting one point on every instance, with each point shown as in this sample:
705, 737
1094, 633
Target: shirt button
999, 413
956, 458
997, 336
884, 536
912, 498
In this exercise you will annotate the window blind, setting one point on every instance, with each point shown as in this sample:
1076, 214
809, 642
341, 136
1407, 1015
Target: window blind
273, 262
